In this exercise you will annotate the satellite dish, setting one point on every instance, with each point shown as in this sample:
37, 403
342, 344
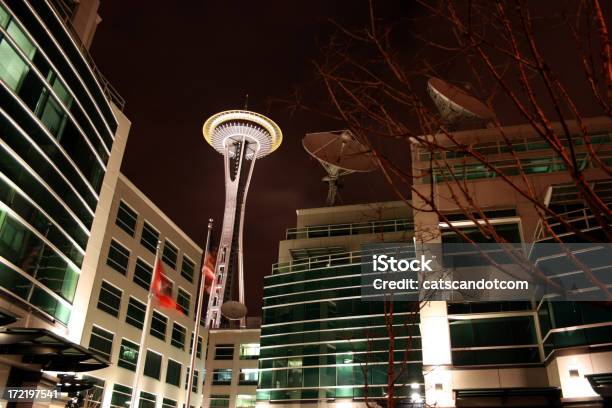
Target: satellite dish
233, 310
456, 104
340, 154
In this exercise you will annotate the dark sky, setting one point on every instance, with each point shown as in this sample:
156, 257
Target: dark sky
177, 63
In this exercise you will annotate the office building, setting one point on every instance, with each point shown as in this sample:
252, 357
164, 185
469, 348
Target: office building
318, 335
502, 353
116, 306
230, 380
63, 137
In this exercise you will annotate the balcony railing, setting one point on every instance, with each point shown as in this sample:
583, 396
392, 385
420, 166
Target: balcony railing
325, 261
581, 219
336, 230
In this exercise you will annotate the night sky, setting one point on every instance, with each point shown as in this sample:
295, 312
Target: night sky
177, 63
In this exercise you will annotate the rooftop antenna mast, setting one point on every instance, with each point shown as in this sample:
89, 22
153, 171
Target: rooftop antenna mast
340, 154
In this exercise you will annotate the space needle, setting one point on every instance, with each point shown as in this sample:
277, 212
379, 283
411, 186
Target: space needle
241, 137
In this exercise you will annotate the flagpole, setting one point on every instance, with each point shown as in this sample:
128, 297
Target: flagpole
145, 329
196, 331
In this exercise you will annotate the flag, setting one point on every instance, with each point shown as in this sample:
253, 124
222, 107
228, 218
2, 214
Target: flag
208, 270
162, 288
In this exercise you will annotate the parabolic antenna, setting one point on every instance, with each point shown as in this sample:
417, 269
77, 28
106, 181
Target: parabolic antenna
456, 104
340, 154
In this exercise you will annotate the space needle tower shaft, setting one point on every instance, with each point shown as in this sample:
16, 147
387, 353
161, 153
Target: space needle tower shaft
241, 137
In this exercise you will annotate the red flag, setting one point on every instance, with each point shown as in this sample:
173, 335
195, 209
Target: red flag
162, 289
208, 270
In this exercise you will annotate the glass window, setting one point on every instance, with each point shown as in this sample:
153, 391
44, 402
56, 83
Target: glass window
199, 347
126, 218
152, 366
95, 393
170, 254
245, 401
183, 298
143, 273
168, 403
110, 299
101, 341
178, 336
135, 313
224, 352
149, 237
222, 376
118, 257
194, 385
173, 373
158, 325
249, 376
187, 268
12, 68
249, 351
146, 400
128, 355
219, 401
121, 396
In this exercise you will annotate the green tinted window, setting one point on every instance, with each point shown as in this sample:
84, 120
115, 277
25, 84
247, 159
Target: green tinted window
128, 355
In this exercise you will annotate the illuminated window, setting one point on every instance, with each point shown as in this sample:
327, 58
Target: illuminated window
245, 401
222, 376
128, 355
249, 351
248, 376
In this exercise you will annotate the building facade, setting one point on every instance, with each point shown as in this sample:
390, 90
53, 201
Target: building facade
231, 371
541, 353
63, 137
319, 340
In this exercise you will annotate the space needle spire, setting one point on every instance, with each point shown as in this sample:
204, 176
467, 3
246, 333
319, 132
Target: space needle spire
241, 137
